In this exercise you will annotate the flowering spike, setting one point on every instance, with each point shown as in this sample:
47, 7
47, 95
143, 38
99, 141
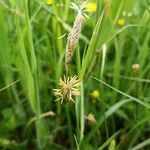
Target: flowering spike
68, 88
74, 35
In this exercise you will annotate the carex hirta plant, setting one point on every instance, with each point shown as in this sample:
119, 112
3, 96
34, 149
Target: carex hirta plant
69, 86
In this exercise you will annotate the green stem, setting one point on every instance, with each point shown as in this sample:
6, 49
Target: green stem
82, 113
38, 122
70, 126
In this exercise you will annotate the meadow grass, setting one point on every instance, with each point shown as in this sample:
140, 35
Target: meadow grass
111, 60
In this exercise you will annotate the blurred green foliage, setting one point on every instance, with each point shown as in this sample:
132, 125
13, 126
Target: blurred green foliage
33, 36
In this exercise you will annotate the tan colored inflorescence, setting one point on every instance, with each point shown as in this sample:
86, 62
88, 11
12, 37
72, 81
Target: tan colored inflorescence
68, 88
74, 35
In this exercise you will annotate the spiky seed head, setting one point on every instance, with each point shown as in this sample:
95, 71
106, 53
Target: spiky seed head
91, 119
68, 88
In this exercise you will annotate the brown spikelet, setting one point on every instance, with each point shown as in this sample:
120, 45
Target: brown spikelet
73, 37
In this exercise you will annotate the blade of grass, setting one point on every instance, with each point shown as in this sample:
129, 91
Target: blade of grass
104, 51
30, 39
124, 94
34, 72
25, 70
101, 32
82, 113
91, 48
141, 145
77, 104
109, 140
132, 78
9, 85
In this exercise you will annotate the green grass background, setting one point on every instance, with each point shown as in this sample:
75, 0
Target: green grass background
33, 37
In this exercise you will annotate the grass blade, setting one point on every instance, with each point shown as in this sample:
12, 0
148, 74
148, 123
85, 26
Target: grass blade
141, 145
124, 94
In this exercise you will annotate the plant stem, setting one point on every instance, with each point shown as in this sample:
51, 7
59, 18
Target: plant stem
70, 126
